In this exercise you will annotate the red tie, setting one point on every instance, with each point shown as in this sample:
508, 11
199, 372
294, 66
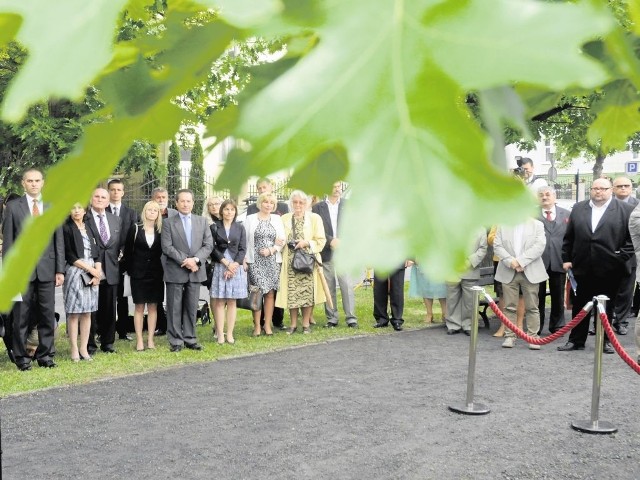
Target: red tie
548, 213
35, 211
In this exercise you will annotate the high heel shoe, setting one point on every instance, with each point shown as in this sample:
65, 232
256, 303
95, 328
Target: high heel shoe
306, 330
88, 358
256, 333
75, 359
231, 340
292, 330
428, 319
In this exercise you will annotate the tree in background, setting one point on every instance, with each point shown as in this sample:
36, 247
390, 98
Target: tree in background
196, 175
174, 178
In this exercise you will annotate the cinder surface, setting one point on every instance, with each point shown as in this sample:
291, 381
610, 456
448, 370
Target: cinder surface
363, 408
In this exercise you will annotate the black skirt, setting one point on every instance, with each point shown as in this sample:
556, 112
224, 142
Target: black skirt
147, 290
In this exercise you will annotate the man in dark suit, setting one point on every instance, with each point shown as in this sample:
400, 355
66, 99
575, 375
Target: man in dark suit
264, 185
623, 189
186, 243
555, 220
107, 229
128, 218
49, 273
330, 211
161, 197
597, 247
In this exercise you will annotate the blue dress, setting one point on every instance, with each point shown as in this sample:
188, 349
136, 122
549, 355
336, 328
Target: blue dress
421, 287
234, 287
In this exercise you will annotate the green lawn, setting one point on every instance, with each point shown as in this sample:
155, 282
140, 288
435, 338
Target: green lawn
127, 361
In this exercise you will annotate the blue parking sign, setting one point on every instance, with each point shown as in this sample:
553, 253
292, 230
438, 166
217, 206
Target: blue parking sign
631, 167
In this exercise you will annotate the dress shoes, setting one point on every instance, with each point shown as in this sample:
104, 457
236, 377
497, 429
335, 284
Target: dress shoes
396, 326
607, 348
592, 331
125, 337
23, 367
570, 346
467, 333
159, 333
451, 331
622, 330
47, 364
352, 325
107, 348
381, 325
175, 348
330, 325
193, 346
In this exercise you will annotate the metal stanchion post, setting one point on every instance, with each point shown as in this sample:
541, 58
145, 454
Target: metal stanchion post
595, 425
471, 408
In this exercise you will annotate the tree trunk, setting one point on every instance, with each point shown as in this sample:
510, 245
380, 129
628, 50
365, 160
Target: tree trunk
597, 166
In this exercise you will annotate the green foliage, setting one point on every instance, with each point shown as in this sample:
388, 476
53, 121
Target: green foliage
196, 175
376, 94
173, 170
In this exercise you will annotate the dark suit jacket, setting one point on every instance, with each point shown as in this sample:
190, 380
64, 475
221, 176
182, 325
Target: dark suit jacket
73, 244
128, 217
608, 250
236, 243
52, 260
141, 260
554, 231
176, 249
322, 209
281, 209
109, 252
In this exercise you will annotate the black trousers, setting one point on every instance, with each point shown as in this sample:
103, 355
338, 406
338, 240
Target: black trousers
624, 299
103, 321
590, 286
557, 281
38, 305
389, 291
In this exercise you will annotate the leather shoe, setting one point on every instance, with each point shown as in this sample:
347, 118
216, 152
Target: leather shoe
125, 337
352, 325
570, 346
24, 367
622, 330
159, 333
47, 364
467, 333
108, 348
381, 325
330, 325
607, 348
451, 331
175, 348
397, 326
193, 346
592, 331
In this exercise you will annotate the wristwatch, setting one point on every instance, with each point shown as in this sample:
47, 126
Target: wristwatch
198, 262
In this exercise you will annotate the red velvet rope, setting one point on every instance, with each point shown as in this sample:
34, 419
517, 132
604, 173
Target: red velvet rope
537, 340
579, 317
616, 344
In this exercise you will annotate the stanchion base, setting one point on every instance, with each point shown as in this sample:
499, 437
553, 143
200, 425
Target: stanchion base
587, 426
470, 409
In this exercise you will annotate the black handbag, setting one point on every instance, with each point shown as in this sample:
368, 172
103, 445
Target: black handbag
253, 301
303, 261
208, 266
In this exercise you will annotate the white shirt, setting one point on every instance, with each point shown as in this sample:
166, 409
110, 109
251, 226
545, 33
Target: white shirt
518, 239
37, 201
552, 210
333, 215
597, 213
114, 206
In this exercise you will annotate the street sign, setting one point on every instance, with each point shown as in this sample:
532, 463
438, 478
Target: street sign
632, 167
552, 174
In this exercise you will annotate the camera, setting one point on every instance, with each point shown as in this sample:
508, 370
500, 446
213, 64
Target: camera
292, 245
519, 171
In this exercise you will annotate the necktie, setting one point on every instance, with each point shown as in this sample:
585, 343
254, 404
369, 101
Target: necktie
103, 230
186, 221
35, 211
115, 211
548, 213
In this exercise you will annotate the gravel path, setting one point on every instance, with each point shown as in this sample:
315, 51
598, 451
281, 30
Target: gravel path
361, 408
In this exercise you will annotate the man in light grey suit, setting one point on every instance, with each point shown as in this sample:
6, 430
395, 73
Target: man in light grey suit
555, 220
460, 295
186, 244
521, 267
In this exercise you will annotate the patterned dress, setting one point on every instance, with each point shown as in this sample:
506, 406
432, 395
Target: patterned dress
79, 298
299, 285
264, 272
235, 287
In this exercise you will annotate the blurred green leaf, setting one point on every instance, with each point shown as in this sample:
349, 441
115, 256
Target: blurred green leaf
321, 170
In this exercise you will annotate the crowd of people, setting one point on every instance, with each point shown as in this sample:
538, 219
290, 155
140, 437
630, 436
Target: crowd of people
281, 258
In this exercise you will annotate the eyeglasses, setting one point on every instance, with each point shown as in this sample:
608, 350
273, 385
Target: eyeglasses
600, 189
622, 186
